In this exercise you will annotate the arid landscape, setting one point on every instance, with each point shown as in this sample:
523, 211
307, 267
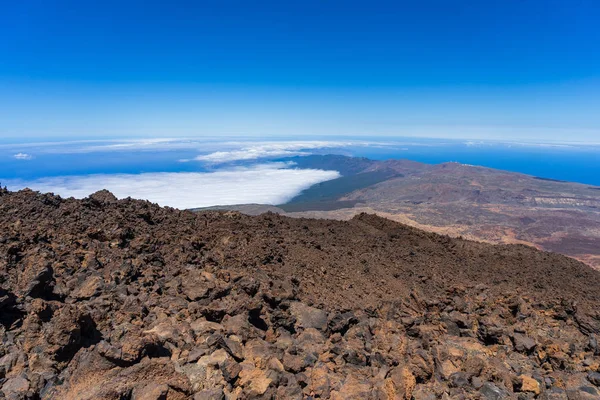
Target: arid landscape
300, 200
121, 299
458, 200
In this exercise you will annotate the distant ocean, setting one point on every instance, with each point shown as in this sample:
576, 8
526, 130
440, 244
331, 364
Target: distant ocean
573, 163
189, 173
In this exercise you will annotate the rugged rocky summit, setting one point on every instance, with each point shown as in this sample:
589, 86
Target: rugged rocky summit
121, 299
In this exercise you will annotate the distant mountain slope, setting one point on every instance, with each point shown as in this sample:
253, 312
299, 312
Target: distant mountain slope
460, 200
326, 195
495, 206
343, 164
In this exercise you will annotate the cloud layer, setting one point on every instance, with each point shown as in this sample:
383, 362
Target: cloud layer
265, 184
211, 150
271, 150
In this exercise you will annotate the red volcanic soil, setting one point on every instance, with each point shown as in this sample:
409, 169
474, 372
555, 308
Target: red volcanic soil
122, 299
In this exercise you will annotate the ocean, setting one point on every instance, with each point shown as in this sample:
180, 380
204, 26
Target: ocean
573, 163
188, 173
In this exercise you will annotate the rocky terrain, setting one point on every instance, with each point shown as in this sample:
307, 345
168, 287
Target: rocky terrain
458, 200
121, 299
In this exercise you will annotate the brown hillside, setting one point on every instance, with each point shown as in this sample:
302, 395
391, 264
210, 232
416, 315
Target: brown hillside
107, 299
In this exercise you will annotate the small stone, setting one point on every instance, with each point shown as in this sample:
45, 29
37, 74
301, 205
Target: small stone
234, 348
400, 384
216, 339
594, 377
196, 291
341, 322
459, 379
593, 345
491, 330
320, 384
255, 381
523, 343
474, 366
150, 391
89, 288
196, 353
103, 197
477, 382
165, 331
309, 317
210, 394
583, 393
230, 370
293, 363
292, 392
238, 325
354, 388
275, 365
490, 391
200, 327
555, 393
216, 359
8, 361
15, 386
528, 384
447, 369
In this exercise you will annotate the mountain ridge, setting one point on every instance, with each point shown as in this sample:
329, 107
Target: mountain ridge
479, 203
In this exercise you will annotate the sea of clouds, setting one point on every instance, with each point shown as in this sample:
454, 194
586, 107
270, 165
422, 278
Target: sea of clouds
240, 172
273, 183
217, 171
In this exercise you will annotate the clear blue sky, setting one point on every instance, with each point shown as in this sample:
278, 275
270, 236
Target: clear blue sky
495, 68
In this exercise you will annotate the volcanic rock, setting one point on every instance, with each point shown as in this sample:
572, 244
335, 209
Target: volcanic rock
110, 299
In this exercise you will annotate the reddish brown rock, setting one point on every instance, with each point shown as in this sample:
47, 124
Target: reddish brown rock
110, 299
400, 384
528, 384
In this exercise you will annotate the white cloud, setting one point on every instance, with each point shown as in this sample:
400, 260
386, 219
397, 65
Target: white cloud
472, 143
23, 156
265, 184
93, 146
253, 151
510, 143
135, 144
214, 149
247, 154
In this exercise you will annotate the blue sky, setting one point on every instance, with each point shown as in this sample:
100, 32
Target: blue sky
466, 69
